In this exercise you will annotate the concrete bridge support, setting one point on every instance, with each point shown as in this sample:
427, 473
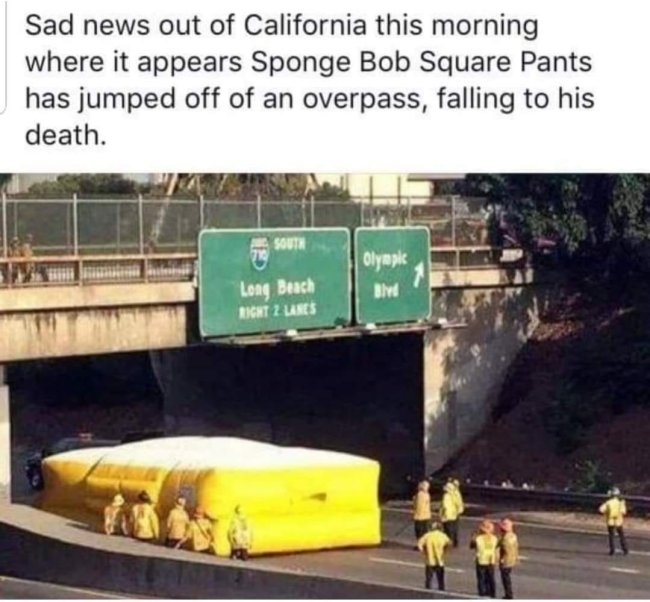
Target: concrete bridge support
464, 368
5, 439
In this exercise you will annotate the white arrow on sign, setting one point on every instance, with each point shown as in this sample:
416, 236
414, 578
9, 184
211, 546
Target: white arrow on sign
419, 274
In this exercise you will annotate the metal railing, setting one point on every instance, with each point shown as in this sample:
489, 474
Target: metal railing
48, 270
99, 269
547, 497
128, 225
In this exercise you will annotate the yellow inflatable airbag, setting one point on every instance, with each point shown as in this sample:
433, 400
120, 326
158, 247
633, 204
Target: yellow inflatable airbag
295, 499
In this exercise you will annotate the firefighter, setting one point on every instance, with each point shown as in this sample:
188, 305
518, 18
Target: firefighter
458, 495
460, 504
614, 511
177, 523
422, 510
199, 534
145, 525
485, 543
434, 544
449, 513
115, 518
239, 535
508, 555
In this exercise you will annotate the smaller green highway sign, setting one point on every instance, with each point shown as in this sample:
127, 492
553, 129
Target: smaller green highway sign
392, 267
272, 280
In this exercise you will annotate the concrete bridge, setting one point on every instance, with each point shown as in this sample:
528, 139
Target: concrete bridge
91, 305
483, 313
118, 275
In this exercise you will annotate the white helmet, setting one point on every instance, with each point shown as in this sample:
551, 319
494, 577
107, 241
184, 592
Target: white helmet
615, 491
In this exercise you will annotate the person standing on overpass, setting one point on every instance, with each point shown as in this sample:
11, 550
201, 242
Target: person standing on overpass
422, 510
449, 513
614, 511
485, 543
434, 544
508, 555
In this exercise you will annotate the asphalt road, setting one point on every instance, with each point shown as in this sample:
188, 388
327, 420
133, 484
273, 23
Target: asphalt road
12, 589
556, 563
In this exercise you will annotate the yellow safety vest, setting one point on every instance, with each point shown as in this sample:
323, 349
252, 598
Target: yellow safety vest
486, 549
433, 545
145, 522
458, 499
199, 534
177, 522
239, 533
509, 550
422, 506
448, 508
614, 510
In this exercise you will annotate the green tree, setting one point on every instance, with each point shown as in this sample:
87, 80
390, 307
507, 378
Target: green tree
87, 184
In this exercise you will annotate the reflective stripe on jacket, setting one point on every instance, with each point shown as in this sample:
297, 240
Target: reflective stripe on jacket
433, 545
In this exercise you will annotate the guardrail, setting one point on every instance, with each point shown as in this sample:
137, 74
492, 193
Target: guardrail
637, 505
47, 270
99, 269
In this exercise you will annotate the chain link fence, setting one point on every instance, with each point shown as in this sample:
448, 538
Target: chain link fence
127, 226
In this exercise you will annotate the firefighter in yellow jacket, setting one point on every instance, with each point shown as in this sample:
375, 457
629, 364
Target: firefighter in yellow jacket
115, 519
177, 522
434, 544
145, 525
485, 543
422, 510
199, 536
614, 511
449, 513
240, 535
508, 555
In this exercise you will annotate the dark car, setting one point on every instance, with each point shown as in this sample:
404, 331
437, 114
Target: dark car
33, 468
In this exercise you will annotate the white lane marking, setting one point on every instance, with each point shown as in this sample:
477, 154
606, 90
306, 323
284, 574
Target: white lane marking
640, 553
615, 569
416, 565
523, 557
43, 584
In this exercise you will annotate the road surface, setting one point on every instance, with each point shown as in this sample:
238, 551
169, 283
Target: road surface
556, 563
11, 589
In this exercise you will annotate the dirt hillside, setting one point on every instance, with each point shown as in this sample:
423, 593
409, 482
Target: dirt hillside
574, 408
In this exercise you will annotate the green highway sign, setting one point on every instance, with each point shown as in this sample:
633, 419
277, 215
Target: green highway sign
263, 281
392, 268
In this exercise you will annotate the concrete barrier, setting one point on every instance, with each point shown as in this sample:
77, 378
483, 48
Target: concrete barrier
29, 555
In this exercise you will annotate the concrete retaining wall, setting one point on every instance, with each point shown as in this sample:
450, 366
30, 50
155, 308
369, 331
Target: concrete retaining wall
28, 555
464, 368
